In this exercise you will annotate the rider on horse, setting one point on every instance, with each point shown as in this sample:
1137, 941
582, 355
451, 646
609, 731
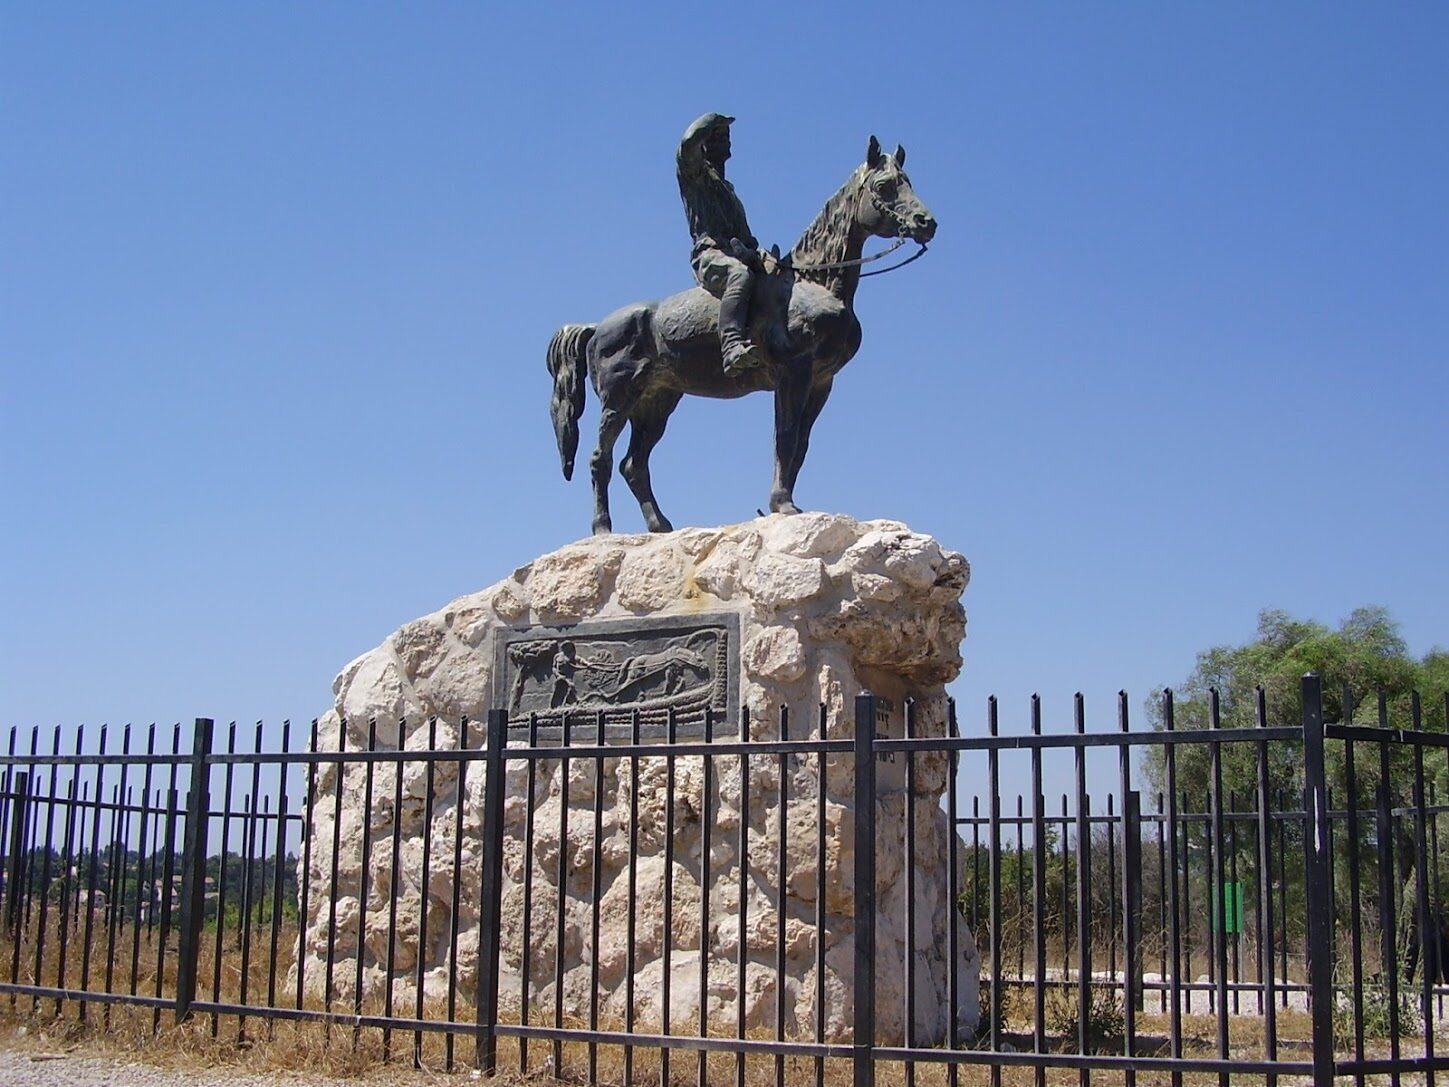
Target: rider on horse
725, 253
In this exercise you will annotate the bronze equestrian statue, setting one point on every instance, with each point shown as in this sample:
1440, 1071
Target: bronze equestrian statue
644, 358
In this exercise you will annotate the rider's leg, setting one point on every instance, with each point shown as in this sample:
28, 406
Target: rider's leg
734, 318
731, 281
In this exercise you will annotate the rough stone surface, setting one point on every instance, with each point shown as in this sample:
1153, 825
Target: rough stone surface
828, 606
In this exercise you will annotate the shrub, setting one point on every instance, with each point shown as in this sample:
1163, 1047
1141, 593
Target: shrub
1377, 1008
1106, 1018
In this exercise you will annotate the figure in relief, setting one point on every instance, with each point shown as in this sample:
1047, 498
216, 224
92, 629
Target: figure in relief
592, 672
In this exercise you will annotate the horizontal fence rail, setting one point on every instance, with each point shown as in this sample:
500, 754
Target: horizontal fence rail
807, 897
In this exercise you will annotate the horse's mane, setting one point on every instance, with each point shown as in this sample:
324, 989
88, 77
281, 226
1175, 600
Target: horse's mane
826, 240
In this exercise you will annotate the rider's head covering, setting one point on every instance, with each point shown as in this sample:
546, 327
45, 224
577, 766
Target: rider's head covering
707, 125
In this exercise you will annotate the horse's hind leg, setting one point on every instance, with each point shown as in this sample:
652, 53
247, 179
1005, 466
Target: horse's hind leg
645, 430
601, 466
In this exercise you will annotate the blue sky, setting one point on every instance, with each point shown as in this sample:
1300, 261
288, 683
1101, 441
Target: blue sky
277, 282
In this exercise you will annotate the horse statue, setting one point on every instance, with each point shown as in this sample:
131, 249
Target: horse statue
644, 358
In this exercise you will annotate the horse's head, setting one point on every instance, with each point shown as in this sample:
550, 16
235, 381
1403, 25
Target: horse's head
889, 207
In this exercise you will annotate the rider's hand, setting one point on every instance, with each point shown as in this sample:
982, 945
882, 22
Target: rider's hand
754, 259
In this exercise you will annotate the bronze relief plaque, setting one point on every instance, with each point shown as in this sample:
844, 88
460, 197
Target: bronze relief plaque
685, 665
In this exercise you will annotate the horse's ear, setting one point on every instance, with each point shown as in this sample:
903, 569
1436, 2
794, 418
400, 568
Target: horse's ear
872, 153
900, 156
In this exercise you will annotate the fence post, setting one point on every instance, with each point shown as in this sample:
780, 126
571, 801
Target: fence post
490, 908
15, 876
193, 869
1319, 889
1132, 899
863, 1035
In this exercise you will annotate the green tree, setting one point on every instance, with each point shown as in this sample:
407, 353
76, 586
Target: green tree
1366, 654
1369, 679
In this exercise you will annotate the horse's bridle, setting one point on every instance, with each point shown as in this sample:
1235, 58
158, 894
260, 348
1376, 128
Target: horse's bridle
861, 261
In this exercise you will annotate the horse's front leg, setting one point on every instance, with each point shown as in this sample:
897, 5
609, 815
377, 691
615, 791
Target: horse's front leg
601, 467
815, 397
789, 420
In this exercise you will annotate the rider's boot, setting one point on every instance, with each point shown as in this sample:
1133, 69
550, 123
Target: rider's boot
740, 355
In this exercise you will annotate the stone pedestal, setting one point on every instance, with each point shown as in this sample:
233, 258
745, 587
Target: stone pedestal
798, 612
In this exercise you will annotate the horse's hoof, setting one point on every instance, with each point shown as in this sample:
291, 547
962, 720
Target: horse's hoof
603, 528
661, 525
784, 507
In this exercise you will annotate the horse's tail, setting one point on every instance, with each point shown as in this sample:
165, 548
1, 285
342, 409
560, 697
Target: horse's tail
568, 365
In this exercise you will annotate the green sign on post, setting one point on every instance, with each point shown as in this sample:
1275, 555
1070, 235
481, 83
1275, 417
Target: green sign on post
1230, 915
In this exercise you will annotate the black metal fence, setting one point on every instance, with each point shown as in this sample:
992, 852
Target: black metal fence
1215, 932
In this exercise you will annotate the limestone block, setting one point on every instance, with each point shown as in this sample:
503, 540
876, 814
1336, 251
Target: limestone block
509, 602
776, 654
810, 535
566, 584
778, 581
720, 573
650, 579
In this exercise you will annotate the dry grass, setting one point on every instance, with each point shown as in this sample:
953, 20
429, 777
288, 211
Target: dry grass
306, 1049
337, 1050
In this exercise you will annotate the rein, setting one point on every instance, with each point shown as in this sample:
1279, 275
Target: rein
860, 261
917, 255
